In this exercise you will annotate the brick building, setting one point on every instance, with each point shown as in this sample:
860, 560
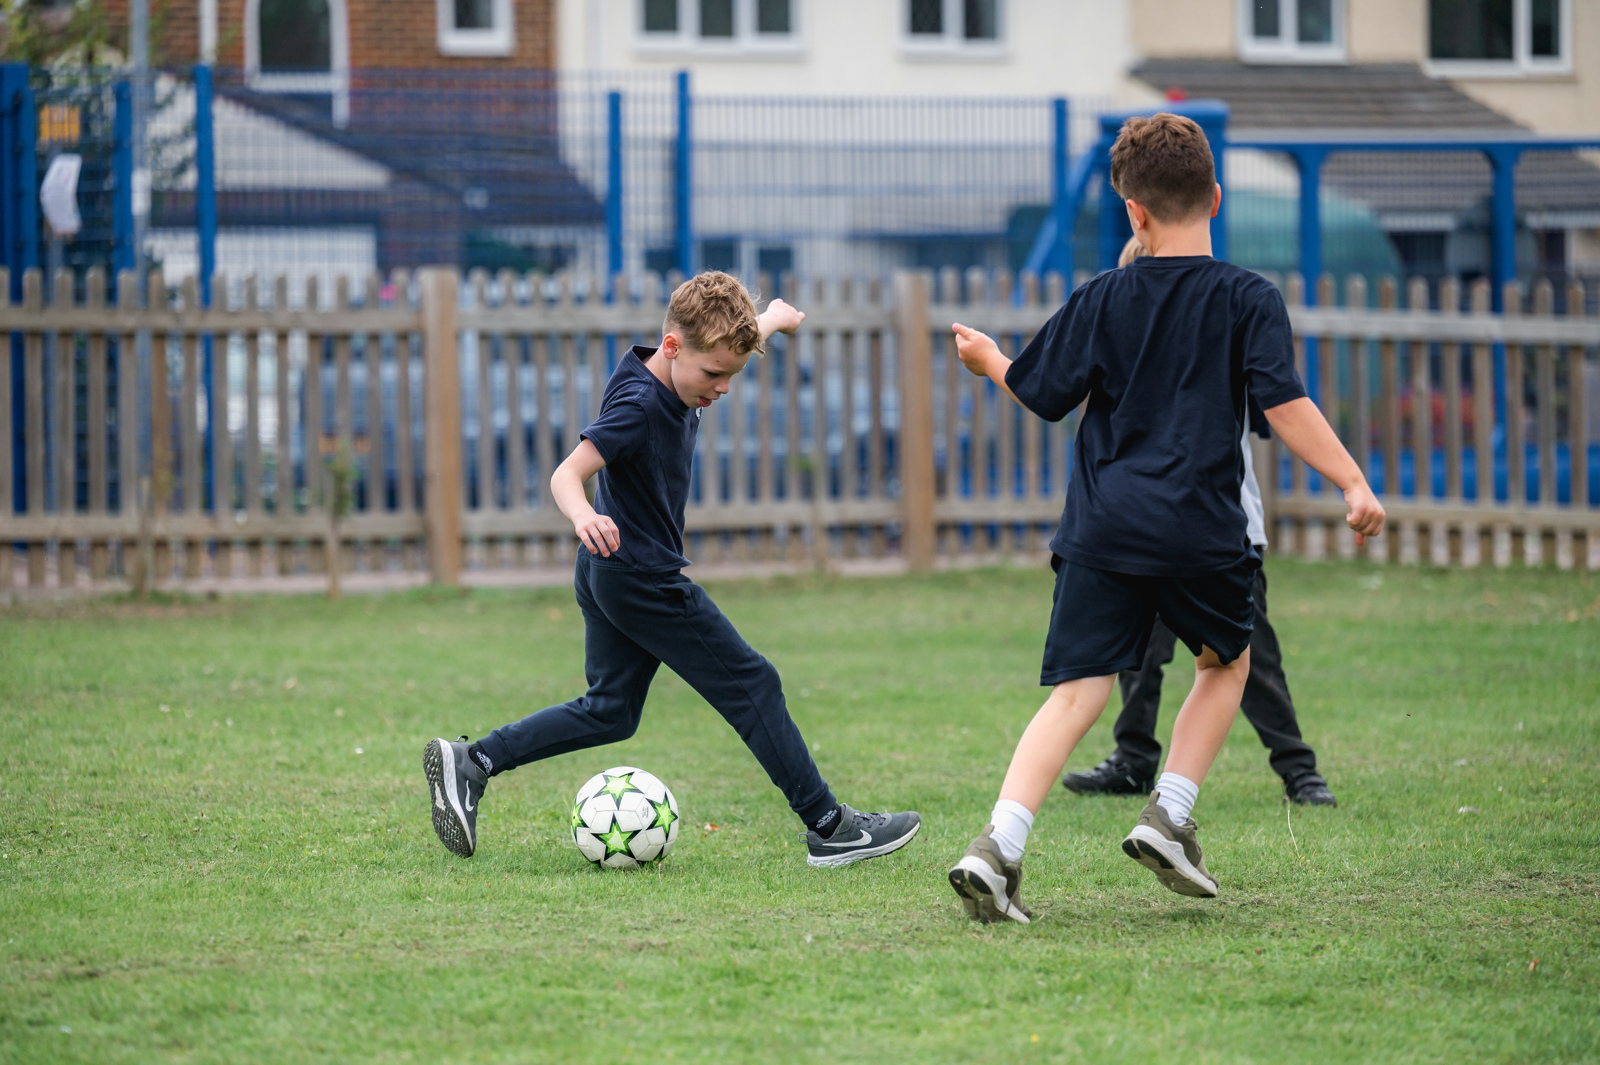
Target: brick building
307, 36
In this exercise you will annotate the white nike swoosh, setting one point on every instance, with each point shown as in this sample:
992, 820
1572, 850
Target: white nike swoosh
438, 797
469, 806
866, 838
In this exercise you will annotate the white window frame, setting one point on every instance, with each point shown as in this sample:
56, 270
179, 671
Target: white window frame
1522, 62
335, 82
745, 41
498, 40
1288, 48
952, 43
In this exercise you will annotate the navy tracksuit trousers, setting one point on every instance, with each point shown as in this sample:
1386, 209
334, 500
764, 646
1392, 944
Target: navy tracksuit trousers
633, 622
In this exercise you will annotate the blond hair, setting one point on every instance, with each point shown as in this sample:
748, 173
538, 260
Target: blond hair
1131, 251
711, 310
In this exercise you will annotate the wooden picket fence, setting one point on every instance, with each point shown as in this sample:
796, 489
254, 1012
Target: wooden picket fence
406, 432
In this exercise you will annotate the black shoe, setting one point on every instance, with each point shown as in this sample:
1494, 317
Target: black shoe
455, 784
1111, 777
860, 836
1308, 790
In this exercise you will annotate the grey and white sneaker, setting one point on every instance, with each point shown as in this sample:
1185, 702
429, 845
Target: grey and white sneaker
990, 887
455, 785
860, 836
1170, 851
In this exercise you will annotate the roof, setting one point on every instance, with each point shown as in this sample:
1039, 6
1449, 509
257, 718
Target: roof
1409, 191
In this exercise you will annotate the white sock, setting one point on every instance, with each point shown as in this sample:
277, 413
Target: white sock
1177, 795
1012, 823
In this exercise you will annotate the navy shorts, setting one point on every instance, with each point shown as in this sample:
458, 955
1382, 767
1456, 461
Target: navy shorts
1100, 623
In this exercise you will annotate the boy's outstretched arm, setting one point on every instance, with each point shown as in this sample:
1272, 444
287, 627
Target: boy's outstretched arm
981, 355
779, 317
1307, 433
598, 532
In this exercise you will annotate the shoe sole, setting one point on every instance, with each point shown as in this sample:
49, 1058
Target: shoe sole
983, 892
1164, 857
449, 821
832, 861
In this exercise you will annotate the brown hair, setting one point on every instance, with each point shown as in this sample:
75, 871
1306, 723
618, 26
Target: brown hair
713, 309
1164, 164
1131, 251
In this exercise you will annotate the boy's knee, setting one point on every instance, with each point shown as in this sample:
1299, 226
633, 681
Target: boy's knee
1209, 659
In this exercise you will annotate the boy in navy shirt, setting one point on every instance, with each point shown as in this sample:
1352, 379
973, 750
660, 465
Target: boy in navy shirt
1164, 351
639, 610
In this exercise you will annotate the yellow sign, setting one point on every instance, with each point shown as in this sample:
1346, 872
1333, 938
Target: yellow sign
59, 124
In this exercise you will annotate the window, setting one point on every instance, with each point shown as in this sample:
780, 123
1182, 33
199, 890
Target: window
475, 27
295, 36
1497, 37
1291, 31
953, 25
719, 25
299, 47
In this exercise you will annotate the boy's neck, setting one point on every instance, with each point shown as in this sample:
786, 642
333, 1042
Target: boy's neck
1186, 238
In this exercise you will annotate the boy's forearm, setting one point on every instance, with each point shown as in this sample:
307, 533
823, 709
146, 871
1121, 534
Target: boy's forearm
1303, 429
994, 369
566, 488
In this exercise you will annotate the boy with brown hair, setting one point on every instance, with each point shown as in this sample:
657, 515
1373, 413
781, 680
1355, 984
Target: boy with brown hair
639, 610
1165, 352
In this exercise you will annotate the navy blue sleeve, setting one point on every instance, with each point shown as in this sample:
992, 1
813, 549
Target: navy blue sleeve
1053, 373
1268, 346
620, 431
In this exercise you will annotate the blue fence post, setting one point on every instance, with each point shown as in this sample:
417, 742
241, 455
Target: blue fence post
19, 219
683, 228
1113, 216
205, 220
1065, 212
122, 250
1502, 257
1309, 162
614, 183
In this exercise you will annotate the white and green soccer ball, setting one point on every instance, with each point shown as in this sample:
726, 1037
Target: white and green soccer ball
624, 818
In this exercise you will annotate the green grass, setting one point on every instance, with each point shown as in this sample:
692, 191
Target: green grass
199, 866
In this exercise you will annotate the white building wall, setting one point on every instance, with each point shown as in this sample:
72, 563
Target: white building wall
859, 48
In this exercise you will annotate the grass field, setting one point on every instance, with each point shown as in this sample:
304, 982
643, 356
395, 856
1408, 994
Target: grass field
217, 845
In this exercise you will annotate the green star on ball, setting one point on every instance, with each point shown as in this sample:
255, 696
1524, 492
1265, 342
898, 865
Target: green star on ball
618, 786
577, 815
664, 816
616, 840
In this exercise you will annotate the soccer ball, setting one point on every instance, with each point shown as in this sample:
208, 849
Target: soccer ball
624, 818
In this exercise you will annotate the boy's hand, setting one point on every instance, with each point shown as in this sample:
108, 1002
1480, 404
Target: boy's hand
598, 533
1366, 515
779, 317
977, 351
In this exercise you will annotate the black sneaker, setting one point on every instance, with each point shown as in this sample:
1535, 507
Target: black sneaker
860, 836
1111, 777
455, 784
1308, 790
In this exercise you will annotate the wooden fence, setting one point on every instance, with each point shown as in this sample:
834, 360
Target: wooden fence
409, 429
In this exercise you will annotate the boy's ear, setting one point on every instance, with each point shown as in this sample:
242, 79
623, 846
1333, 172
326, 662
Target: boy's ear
1216, 202
1138, 217
671, 345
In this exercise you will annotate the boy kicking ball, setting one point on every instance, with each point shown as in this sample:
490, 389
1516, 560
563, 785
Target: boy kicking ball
1164, 351
639, 610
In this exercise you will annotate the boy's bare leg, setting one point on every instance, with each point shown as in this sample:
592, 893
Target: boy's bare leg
1058, 727
988, 877
1207, 714
1164, 840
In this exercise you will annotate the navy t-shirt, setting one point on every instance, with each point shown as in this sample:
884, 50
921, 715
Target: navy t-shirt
646, 435
1165, 350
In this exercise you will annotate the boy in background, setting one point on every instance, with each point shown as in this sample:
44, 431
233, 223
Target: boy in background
639, 610
1267, 705
1165, 352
